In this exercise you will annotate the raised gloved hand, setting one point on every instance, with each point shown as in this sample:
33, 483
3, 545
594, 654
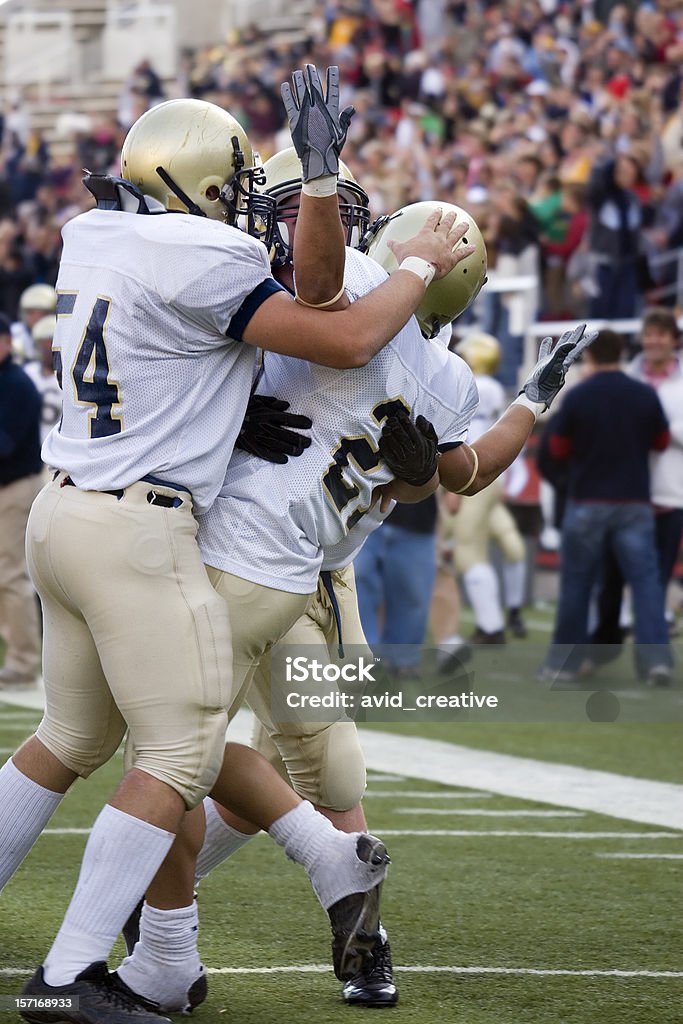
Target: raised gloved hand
318, 129
409, 449
548, 375
269, 431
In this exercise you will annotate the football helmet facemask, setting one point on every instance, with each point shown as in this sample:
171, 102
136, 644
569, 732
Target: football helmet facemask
193, 156
283, 184
448, 297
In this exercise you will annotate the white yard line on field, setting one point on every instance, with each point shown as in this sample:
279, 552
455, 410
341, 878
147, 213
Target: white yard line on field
480, 812
525, 834
639, 856
437, 794
561, 785
461, 833
426, 969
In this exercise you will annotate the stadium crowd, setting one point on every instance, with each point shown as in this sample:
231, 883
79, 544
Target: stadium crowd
558, 126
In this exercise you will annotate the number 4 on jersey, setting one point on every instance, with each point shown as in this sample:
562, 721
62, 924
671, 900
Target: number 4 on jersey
90, 374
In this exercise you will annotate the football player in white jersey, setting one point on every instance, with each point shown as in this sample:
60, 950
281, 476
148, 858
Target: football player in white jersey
266, 535
484, 517
158, 319
41, 371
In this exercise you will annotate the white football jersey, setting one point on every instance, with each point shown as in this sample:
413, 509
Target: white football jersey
153, 385
51, 395
271, 523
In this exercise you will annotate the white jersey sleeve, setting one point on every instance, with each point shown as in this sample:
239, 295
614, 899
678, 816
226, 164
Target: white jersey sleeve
155, 383
272, 523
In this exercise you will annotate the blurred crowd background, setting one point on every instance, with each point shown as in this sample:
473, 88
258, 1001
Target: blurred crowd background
558, 126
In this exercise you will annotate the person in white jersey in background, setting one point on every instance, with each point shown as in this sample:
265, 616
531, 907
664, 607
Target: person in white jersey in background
42, 373
275, 527
484, 518
159, 317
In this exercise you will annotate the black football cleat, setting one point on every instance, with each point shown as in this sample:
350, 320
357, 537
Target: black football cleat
196, 994
516, 624
355, 918
375, 985
99, 999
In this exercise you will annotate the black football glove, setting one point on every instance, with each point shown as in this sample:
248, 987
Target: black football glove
409, 449
547, 376
318, 129
266, 433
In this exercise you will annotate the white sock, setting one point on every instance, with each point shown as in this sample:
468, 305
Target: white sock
514, 578
26, 809
122, 856
481, 584
165, 961
328, 855
220, 841
451, 643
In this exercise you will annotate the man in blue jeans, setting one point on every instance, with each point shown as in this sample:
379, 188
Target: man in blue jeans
395, 573
605, 431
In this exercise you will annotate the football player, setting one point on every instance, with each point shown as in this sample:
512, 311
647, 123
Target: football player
484, 517
159, 317
273, 527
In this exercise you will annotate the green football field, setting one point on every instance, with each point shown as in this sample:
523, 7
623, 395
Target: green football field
500, 909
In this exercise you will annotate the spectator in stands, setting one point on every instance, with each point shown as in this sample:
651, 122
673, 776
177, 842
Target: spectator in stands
615, 236
517, 253
20, 481
605, 430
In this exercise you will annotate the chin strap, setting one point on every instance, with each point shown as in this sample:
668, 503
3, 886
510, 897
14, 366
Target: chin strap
192, 207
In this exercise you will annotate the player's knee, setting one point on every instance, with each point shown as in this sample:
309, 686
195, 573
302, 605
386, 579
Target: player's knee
81, 754
329, 768
512, 546
190, 764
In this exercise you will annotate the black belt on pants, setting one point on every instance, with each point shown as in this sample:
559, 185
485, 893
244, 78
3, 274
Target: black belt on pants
326, 577
163, 500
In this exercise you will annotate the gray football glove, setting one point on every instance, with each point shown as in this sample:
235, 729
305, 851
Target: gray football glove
318, 129
548, 375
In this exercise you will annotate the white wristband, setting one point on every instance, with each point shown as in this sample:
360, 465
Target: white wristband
424, 270
535, 407
320, 188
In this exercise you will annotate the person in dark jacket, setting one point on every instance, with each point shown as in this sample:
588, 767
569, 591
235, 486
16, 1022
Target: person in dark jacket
605, 431
615, 232
20, 481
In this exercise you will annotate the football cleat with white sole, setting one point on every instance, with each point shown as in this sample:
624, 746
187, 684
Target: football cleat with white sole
375, 985
100, 1000
355, 918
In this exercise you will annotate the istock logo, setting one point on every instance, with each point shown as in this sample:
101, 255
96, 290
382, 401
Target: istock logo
303, 670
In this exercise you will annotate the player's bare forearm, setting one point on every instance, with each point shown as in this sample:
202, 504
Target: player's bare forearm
407, 494
320, 251
490, 455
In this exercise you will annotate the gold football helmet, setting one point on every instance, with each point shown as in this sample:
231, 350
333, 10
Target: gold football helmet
283, 184
481, 352
41, 297
194, 156
447, 298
